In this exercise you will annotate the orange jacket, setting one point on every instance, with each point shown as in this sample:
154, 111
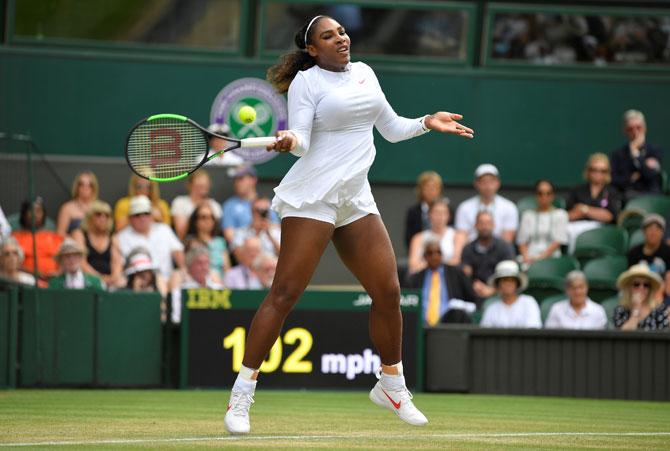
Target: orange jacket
48, 243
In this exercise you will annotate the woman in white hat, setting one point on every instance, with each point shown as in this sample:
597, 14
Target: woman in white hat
141, 273
638, 308
513, 309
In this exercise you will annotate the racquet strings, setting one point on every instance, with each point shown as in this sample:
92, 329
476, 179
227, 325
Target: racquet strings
165, 148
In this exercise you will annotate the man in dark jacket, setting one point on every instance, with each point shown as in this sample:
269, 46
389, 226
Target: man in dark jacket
636, 166
447, 294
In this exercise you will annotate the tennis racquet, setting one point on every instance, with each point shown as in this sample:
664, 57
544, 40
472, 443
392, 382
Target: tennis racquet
169, 147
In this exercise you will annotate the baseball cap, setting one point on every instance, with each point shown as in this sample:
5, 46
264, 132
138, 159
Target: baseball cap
139, 205
653, 218
243, 170
486, 168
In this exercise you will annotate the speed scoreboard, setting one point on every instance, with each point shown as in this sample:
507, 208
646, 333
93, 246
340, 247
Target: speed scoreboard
324, 343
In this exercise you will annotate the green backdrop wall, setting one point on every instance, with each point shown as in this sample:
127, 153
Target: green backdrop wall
532, 123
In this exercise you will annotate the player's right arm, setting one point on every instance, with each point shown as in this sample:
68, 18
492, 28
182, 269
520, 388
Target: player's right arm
301, 108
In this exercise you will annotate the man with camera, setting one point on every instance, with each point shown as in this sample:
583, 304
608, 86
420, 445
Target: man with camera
261, 227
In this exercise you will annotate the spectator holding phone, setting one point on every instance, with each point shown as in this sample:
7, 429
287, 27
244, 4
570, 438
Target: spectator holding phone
261, 227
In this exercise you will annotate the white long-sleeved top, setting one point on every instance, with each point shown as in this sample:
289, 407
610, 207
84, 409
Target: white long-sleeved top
332, 115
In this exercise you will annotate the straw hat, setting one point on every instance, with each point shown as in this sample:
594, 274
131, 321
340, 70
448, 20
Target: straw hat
508, 268
640, 270
69, 247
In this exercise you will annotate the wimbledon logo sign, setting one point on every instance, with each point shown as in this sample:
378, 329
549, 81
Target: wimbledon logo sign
271, 111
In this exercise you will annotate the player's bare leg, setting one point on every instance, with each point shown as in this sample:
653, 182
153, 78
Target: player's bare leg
365, 248
303, 243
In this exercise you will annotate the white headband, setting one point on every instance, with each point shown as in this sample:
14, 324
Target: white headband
307, 29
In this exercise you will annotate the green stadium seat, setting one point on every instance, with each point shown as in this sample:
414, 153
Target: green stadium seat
609, 305
545, 304
547, 277
665, 185
653, 203
630, 220
605, 240
636, 238
602, 274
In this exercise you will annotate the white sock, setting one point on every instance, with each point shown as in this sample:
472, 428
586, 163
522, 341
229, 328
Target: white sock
244, 383
247, 373
394, 381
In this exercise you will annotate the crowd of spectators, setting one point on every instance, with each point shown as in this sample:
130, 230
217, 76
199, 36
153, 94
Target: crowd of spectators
498, 243
475, 266
145, 244
574, 38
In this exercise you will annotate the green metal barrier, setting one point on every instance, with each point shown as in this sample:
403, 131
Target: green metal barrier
57, 337
89, 338
129, 338
8, 336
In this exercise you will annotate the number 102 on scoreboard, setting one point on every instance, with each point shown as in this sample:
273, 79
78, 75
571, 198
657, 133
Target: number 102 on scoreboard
294, 362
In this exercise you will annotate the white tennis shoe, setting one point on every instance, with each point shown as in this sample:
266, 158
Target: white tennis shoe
237, 416
400, 402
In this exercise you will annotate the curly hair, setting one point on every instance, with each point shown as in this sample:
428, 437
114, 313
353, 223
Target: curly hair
282, 74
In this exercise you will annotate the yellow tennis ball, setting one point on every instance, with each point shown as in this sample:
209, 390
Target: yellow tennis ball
247, 114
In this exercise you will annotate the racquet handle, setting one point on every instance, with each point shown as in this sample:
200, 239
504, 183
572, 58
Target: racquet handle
258, 142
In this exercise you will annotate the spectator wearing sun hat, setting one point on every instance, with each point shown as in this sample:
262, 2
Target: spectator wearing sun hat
70, 257
655, 252
638, 308
159, 238
142, 274
504, 212
512, 309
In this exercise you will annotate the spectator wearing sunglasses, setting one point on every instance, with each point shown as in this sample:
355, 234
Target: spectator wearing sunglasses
103, 255
543, 229
137, 185
163, 244
203, 228
636, 166
446, 292
596, 202
638, 308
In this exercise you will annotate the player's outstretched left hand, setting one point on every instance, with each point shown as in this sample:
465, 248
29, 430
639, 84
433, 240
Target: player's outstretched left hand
446, 122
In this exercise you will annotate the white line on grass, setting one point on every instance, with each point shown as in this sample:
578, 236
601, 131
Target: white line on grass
325, 437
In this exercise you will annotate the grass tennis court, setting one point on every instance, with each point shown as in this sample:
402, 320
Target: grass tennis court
327, 420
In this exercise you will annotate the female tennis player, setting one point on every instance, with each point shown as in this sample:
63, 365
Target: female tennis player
333, 105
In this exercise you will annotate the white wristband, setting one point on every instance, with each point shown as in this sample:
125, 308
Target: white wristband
422, 121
